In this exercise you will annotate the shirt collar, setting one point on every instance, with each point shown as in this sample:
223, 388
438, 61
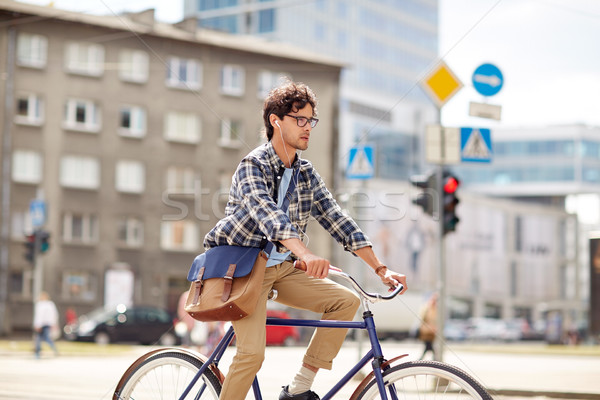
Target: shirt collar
276, 162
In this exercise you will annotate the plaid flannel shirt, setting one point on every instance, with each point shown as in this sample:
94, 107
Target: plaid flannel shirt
252, 215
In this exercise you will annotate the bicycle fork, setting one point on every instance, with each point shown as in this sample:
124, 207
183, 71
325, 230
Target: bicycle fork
378, 360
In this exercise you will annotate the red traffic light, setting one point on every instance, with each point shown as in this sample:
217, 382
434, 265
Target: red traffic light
451, 184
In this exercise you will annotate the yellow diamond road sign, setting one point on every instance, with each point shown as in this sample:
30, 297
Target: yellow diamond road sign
441, 84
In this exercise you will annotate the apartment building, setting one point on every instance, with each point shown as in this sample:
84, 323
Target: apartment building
129, 130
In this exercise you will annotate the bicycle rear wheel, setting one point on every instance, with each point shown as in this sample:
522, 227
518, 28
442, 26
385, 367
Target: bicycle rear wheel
426, 380
165, 375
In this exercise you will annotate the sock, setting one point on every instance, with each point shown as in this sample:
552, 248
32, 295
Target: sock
302, 381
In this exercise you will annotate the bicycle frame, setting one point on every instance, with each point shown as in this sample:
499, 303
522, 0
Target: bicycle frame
375, 353
414, 377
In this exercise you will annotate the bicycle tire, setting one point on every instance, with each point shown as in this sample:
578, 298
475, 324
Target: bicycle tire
165, 376
426, 379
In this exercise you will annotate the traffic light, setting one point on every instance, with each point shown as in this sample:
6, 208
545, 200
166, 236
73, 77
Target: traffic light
427, 199
44, 238
30, 248
450, 201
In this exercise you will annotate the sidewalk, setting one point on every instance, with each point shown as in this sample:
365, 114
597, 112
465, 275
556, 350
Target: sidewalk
21, 346
515, 371
532, 370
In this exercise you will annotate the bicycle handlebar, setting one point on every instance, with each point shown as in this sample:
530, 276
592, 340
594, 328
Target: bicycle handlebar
372, 297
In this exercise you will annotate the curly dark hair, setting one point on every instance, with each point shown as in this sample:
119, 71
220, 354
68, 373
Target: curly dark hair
288, 97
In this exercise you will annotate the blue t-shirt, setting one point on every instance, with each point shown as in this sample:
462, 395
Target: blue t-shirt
276, 257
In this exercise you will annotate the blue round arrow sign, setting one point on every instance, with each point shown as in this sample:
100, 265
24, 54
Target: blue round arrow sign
487, 79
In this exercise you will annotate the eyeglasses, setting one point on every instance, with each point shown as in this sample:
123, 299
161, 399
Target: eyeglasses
301, 121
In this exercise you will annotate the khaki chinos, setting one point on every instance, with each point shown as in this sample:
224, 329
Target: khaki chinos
297, 290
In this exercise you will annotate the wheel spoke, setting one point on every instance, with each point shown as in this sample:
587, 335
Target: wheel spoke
165, 376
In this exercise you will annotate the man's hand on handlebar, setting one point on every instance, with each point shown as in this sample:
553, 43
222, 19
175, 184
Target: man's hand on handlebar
316, 267
393, 279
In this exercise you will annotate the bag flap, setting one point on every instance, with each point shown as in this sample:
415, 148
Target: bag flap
217, 260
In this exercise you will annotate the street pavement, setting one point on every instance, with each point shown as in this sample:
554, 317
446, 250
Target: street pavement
94, 373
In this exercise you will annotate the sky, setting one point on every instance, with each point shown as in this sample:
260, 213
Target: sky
548, 52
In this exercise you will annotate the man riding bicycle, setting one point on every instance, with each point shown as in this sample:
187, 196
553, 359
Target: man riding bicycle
259, 188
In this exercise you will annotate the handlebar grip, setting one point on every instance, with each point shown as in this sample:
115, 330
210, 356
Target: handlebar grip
301, 265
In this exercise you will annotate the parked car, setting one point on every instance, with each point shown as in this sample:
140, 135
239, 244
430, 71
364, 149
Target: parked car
455, 329
484, 329
281, 335
139, 324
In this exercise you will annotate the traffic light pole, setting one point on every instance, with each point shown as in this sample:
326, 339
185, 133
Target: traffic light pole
441, 267
38, 269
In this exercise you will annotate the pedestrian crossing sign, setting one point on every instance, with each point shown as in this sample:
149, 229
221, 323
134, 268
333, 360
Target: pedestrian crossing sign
475, 144
360, 163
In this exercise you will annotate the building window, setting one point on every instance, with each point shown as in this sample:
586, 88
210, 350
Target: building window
130, 177
134, 65
266, 20
179, 235
232, 80
27, 166
230, 133
80, 228
84, 58
79, 172
21, 284
20, 224
132, 121
30, 109
320, 33
131, 232
32, 50
182, 127
79, 285
180, 180
82, 115
268, 80
184, 73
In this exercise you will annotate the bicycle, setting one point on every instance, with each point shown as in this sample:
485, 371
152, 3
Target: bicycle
174, 373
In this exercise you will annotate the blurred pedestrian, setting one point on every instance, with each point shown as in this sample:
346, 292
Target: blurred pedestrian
45, 320
428, 328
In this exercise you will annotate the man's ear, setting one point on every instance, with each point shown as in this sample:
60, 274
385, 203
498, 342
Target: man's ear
273, 120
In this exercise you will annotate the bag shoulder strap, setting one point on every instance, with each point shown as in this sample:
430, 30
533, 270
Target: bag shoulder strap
286, 202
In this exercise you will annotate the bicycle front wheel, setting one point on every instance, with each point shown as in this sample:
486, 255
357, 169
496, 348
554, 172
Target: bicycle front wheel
165, 375
426, 380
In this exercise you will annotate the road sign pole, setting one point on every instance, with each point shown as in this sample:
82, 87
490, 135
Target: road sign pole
441, 266
441, 84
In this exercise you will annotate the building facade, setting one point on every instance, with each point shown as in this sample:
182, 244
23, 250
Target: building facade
386, 48
557, 166
506, 260
128, 131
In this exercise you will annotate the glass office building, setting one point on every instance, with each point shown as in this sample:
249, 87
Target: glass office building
554, 161
386, 45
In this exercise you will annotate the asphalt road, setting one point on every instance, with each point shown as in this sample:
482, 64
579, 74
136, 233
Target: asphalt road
93, 373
